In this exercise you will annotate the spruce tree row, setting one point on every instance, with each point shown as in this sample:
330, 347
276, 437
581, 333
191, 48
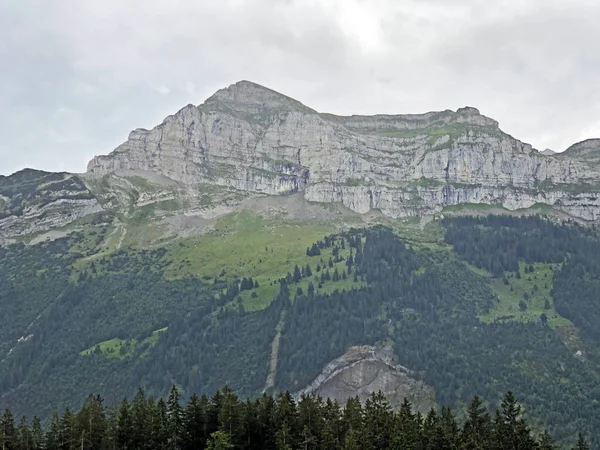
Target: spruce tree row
282, 422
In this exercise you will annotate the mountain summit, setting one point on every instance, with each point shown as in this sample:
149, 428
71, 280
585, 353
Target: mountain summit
257, 141
249, 141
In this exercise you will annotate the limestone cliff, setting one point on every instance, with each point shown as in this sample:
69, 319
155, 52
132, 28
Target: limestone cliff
255, 140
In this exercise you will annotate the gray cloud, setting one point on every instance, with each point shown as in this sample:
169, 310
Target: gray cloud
78, 75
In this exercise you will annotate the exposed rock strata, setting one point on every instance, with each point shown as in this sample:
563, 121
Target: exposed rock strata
366, 369
33, 201
255, 140
247, 140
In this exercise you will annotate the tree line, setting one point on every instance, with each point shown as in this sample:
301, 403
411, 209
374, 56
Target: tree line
224, 421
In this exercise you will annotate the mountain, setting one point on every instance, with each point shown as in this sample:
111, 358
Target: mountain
254, 242
247, 140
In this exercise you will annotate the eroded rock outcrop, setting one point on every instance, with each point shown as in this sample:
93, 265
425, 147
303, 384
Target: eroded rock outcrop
366, 369
256, 140
32, 201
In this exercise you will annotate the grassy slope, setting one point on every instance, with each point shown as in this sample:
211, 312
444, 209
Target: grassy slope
122, 348
243, 245
508, 299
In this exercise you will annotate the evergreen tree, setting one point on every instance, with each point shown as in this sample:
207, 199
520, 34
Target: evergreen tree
378, 422
125, 432
307, 271
91, 424
174, 420
230, 420
8, 433
37, 433
139, 418
52, 437
510, 429
546, 442
581, 443
336, 275
407, 430
286, 434
297, 274
194, 423
24, 439
477, 430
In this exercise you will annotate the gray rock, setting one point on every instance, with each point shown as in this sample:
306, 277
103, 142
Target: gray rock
366, 369
252, 139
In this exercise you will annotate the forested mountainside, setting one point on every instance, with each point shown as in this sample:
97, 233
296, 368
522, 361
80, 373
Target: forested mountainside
256, 243
469, 305
224, 421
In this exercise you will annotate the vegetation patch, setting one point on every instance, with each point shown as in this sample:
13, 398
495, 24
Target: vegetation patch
122, 348
353, 182
526, 296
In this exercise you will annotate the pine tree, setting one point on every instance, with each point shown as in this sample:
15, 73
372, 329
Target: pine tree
336, 275
297, 274
510, 429
158, 417
8, 433
174, 420
37, 433
91, 424
139, 418
124, 437
24, 439
406, 428
307, 271
52, 437
286, 417
310, 420
194, 424
546, 442
378, 421
230, 420
581, 443
477, 430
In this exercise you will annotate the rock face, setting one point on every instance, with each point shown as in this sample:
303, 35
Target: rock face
366, 369
255, 140
32, 201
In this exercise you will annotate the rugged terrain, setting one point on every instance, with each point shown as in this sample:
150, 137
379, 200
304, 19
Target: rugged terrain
253, 242
247, 140
366, 369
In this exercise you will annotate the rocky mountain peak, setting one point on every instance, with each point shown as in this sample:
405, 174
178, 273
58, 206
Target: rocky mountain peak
257, 141
471, 115
246, 96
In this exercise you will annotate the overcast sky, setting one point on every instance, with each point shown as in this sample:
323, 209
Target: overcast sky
77, 75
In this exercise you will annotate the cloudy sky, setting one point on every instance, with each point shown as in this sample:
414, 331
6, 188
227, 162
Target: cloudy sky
78, 75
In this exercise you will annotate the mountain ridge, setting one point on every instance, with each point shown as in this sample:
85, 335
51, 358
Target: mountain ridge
250, 141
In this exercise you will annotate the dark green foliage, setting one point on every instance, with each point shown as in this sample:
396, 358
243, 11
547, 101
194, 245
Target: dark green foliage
225, 422
426, 302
